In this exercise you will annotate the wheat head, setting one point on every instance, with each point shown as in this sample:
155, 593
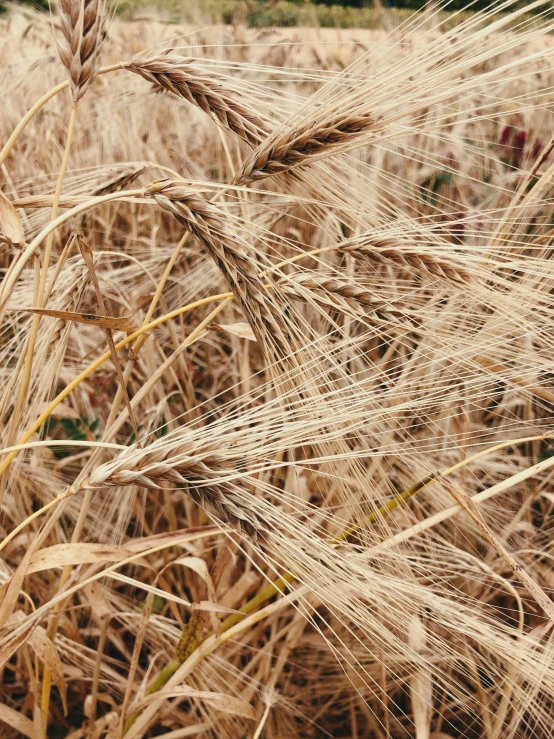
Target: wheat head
303, 144
329, 291
406, 254
82, 24
200, 473
208, 223
207, 91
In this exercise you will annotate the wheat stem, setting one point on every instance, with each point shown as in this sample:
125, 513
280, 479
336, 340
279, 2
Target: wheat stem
40, 103
39, 300
8, 284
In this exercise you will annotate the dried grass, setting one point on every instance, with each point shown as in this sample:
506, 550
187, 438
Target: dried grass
334, 253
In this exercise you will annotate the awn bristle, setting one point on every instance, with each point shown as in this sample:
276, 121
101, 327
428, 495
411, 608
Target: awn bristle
82, 24
208, 91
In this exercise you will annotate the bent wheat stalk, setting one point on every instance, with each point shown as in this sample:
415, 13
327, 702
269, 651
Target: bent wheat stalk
465, 501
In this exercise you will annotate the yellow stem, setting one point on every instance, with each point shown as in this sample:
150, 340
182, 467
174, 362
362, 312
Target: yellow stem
98, 362
9, 284
27, 117
39, 303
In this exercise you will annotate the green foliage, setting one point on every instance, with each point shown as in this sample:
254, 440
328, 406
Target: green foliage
37, 4
76, 429
261, 13
448, 5
286, 13
430, 187
283, 13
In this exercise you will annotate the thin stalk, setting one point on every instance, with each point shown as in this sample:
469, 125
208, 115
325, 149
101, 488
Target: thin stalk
137, 346
63, 443
39, 300
39, 303
31, 113
98, 362
9, 284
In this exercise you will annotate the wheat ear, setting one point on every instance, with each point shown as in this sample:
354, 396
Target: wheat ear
408, 254
332, 292
83, 26
201, 474
207, 222
120, 176
210, 92
304, 143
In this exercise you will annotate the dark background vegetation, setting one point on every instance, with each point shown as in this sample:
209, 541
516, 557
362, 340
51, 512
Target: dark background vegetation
264, 13
409, 4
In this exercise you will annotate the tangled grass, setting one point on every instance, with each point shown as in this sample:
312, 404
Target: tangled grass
276, 379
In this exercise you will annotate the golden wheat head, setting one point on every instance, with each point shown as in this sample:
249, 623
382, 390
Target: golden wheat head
82, 24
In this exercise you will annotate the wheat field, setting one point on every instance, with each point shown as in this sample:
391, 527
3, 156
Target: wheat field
276, 377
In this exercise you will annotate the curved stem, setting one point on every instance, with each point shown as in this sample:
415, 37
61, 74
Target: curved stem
98, 362
37, 106
27, 117
52, 226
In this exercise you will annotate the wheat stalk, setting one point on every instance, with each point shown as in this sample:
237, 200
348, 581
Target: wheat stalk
82, 24
210, 92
